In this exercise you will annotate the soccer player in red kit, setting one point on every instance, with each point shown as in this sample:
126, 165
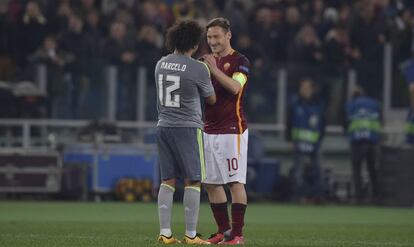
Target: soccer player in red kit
226, 134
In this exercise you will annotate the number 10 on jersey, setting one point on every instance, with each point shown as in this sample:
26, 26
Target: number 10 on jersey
168, 99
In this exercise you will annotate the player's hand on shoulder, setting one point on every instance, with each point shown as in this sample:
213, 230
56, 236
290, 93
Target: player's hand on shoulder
210, 61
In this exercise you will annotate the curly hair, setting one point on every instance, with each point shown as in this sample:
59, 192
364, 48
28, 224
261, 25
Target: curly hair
183, 36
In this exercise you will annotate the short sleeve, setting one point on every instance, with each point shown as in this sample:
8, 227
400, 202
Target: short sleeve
242, 70
243, 66
204, 81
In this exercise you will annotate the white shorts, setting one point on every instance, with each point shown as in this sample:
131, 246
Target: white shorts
225, 158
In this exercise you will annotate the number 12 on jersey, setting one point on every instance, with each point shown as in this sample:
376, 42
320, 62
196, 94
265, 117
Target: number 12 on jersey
168, 99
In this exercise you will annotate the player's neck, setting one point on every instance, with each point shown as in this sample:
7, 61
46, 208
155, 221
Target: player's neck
187, 54
225, 52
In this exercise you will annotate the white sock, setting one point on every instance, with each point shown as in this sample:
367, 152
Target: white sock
191, 202
166, 232
165, 204
190, 234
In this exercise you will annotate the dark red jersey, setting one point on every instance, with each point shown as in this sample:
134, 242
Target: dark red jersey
227, 115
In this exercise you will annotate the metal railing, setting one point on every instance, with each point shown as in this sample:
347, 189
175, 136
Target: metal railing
25, 127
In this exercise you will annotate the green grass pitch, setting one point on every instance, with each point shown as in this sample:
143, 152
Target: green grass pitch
61, 224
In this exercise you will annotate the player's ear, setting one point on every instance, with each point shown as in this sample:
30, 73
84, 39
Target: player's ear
228, 35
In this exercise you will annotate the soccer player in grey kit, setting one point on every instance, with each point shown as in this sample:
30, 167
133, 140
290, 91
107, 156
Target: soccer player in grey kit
182, 82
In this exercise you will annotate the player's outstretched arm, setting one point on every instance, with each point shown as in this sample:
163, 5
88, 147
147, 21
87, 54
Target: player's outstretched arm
227, 82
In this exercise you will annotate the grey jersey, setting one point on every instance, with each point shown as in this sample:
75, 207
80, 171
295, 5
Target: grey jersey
181, 82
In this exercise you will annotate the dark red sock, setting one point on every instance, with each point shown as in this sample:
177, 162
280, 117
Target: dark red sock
221, 215
237, 216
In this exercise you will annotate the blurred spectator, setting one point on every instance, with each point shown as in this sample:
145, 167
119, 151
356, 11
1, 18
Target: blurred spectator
6, 44
87, 6
59, 13
55, 61
339, 55
235, 11
74, 42
149, 46
305, 129
338, 50
254, 53
15, 10
124, 15
267, 30
316, 18
307, 50
151, 12
363, 127
119, 50
260, 97
165, 15
108, 7
344, 14
209, 8
409, 76
401, 35
149, 49
367, 34
95, 95
93, 34
184, 9
293, 24
31, 32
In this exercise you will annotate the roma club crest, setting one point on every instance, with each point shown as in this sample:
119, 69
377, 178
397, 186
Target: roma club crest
226, 66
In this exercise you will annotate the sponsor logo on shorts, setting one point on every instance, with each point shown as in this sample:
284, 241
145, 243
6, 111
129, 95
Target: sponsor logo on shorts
231, 175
